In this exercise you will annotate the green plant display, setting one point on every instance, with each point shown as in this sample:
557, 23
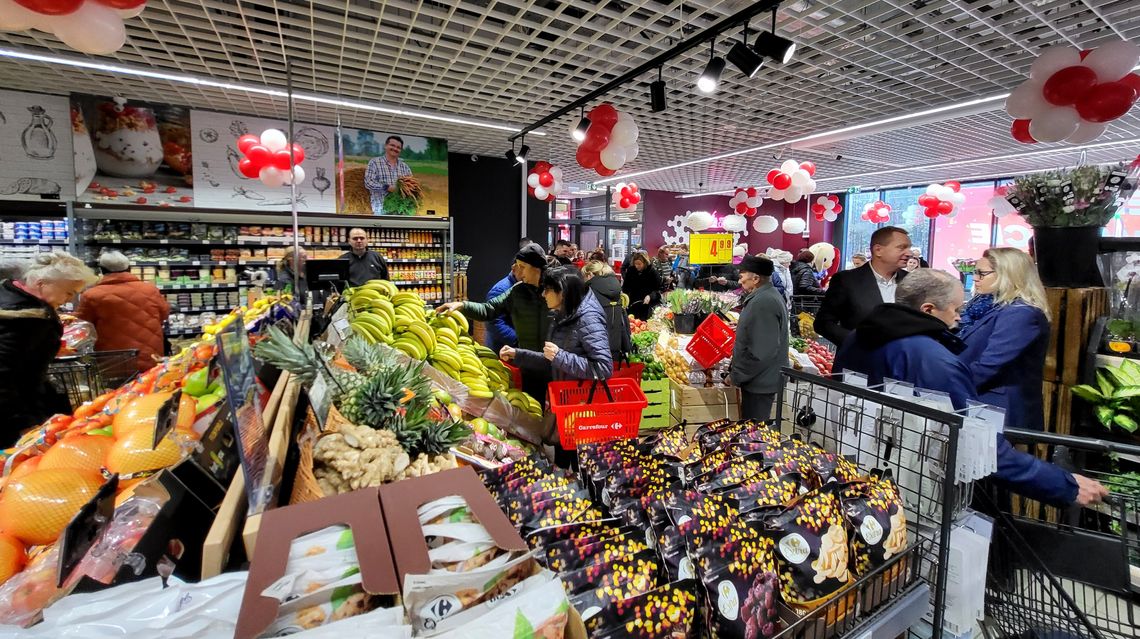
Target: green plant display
1045, 199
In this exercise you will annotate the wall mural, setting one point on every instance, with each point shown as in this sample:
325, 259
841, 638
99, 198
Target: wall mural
219, 184
37, 160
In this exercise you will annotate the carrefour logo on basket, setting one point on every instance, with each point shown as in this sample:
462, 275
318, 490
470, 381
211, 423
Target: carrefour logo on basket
613, 426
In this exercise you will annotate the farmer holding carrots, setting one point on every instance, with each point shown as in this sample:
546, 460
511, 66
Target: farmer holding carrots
384, 173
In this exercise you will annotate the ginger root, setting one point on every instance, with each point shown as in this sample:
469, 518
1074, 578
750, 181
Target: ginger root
360, 457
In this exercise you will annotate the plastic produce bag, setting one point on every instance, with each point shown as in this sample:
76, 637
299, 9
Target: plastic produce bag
78, 338
536, 609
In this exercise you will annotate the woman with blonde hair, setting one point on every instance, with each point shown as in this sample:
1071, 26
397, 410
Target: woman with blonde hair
1006, 331
601, 279
29, 339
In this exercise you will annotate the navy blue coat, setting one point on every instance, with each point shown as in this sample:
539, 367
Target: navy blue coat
500, 331
583, 342
907, 345
1005, 352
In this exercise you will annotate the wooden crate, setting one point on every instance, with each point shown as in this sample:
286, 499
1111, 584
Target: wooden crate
1074, 312
698, 404
1060, 408
656, 414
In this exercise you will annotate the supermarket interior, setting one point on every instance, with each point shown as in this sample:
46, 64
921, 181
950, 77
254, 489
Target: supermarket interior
655, 319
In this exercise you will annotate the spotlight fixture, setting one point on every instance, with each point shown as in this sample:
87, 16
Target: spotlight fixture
710, 77
520, 157
657, 93
770, 45
744, 58
580, 131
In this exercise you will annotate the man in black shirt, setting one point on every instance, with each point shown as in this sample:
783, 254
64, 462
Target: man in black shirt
363, 265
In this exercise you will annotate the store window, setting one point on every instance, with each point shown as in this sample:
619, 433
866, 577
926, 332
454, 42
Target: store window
905, 215
967, 234
858, 237
1127, 220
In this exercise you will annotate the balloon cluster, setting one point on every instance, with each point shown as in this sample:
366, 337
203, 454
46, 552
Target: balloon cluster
90, 26
877, 212
625, 196
610, 142
745, 201
791, 181
267, 158
942, 199
827, 208
1071, 95
544, 181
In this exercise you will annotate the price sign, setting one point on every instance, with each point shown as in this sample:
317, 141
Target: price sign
244, 397
710, 248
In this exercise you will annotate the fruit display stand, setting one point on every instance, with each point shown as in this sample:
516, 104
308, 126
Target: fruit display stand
656, 414
695, 405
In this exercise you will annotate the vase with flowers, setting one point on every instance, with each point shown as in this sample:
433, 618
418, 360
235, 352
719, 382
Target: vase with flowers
1067, 209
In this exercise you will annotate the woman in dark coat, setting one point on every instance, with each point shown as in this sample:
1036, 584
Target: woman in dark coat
600, 278
803, 277
578, 347
1006, 331
30, 331
642, 285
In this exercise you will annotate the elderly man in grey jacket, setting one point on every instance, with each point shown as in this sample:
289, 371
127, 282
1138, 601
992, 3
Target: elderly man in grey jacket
761, 348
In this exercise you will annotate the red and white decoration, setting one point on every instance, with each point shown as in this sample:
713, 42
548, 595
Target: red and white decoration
626, 196
746, 201
544, 181
610, 142
90, 26
1071, 95
942, 199
877, 212
827, 208
267, 158
792, 181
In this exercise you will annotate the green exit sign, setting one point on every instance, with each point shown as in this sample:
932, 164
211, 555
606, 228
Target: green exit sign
852, 189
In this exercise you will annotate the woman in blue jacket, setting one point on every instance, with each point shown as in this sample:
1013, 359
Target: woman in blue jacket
579, 344
1006, 331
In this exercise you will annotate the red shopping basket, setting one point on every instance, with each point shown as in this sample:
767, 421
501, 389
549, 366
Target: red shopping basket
632, 370
516, 374
712, 342
587, 412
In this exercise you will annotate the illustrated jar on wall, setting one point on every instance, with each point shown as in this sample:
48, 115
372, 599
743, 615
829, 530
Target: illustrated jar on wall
127, 143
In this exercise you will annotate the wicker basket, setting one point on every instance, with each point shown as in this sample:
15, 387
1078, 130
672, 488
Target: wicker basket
305, 485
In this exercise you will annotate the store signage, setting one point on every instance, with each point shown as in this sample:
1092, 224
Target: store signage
244, 397
710, 248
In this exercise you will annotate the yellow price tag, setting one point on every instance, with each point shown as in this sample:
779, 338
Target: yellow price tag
710, 248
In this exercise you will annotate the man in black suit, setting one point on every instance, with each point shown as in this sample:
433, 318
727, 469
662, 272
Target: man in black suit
853, 294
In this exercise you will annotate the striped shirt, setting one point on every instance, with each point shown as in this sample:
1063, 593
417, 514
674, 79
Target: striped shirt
379, 176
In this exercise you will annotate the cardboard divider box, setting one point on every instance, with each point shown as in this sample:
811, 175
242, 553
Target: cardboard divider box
699, 404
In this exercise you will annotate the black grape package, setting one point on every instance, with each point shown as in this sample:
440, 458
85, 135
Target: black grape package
876, 521
811, 547
670, 612
613, 581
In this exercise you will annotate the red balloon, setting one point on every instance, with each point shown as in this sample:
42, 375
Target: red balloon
298, 153
750, 212
809, 167
954, 186
833, 198
282, 160
741, 208
531, 191
246, 141
927, 200
1020, 132
51, 7
259, 155
1085, 53
604, 115
945, 207
603, 171
782, 181
541, 166
837, 209
1132, 80
248, 169
931, 213
1068, 85
1106, 102
122, 4
586, 159
625, 203
772, 176
625, 192
635, 198
817, 209
546, 179
751, 191
597, 138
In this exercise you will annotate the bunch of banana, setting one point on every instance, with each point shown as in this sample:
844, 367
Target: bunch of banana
524, 402
498, 377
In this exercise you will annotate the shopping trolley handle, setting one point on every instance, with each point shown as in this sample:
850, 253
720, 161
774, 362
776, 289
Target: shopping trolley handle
1021, 436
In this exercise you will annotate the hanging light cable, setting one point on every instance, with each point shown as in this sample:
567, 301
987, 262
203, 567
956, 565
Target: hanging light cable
744, 58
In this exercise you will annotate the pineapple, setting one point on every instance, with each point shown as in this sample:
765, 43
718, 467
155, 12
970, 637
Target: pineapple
387, 393
365, 357
438, 437
304, 362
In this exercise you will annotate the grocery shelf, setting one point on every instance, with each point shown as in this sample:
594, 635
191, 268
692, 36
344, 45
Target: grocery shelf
176, 332
897, 616
202, 309
203, 263
412, 260
34, 242
194, 287
417, 282
404, 245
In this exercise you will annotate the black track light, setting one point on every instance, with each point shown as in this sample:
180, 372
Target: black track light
710, 77
657, 93
510, 154
744, 58
579, 133
520, 157
773, 46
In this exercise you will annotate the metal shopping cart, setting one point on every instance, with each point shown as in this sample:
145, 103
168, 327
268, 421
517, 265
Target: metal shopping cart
1074, 572
84, 377
802, 317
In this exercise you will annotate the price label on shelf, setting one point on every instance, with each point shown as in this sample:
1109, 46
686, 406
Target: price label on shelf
710, 248
164, 241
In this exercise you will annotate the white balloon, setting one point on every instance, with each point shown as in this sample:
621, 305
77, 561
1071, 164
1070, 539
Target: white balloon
1087, 132
794, 225
1026, 101
776, 194
800, 178
958, 199
809, 188
1055, 125
632, 185
1113, 61
753, 202
789, 167
557, 173
944, 192
532, 181
556, 188
739, 250
1052, 60
274, 140
624, 133
93, 28
271, 176
540, 192
130, 13
831, 216
793, 194
734, 223
699, 220
631, 152
14, 17
613, 156
933, 189
823, 201
298, 173
286, 177
765, 224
